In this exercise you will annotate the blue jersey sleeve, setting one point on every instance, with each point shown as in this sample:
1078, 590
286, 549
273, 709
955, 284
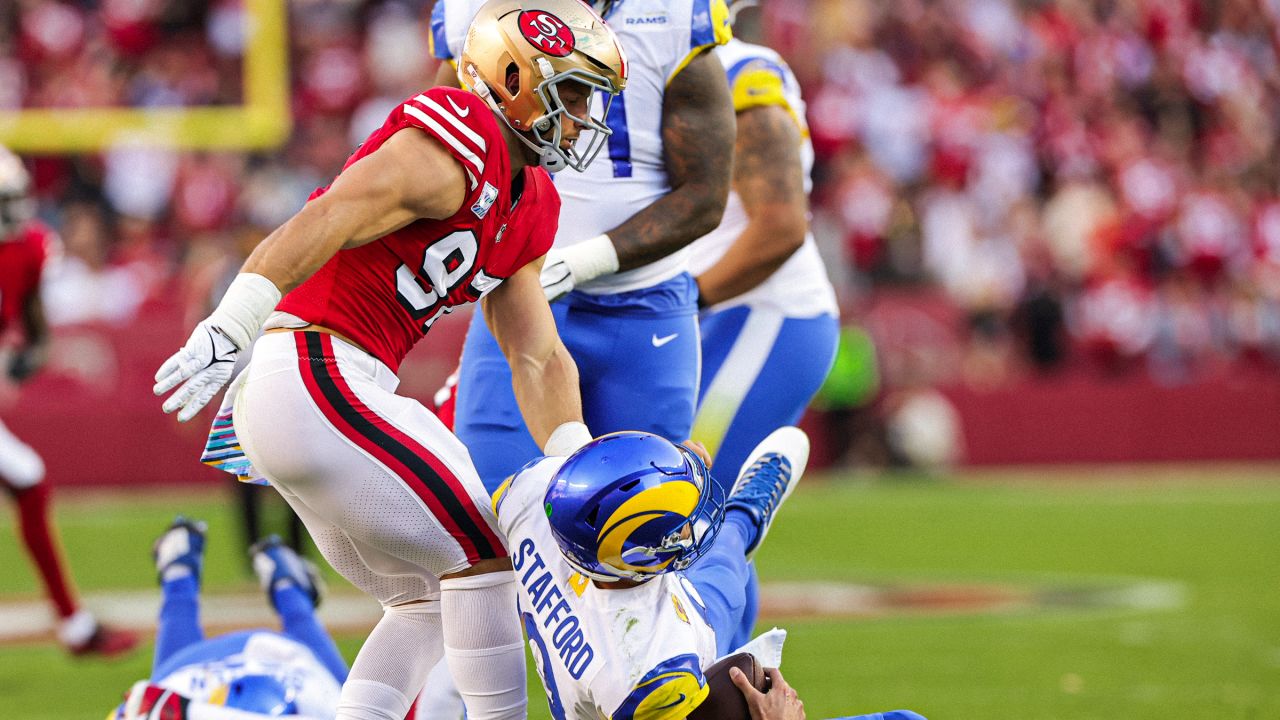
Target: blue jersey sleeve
439, 38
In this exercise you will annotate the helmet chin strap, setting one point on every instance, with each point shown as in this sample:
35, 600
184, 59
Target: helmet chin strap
550, 160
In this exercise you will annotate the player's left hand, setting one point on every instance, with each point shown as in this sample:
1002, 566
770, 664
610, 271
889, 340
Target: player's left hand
26, 362
780, 703
205, 364
700, 450
557, 276
152, 702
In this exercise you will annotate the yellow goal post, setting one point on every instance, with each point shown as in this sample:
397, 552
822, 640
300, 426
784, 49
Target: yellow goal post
263, 121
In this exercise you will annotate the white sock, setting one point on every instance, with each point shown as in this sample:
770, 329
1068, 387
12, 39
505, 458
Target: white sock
393, 664
77, 629
483, 645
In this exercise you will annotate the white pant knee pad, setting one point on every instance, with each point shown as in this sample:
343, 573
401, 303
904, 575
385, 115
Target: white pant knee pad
371, 700
484, 646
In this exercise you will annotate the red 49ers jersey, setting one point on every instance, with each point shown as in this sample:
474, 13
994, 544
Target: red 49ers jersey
385, 295
22, 259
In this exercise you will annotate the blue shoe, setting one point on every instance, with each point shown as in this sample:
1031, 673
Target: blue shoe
277, 565
181, 546
768, 477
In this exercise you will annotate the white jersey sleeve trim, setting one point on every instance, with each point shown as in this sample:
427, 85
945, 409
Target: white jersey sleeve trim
439, 131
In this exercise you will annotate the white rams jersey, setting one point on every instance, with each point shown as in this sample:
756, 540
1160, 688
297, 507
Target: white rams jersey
759, 77
659, 37
634, 653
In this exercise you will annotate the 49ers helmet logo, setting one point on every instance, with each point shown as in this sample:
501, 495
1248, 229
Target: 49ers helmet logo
546, 32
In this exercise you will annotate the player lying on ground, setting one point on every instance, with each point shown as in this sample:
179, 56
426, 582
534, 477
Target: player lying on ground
25, 246
247, 675
769, 320
446, 204
631, 567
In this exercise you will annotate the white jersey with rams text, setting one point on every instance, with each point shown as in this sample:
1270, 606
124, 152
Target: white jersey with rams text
634, 653
758, 77
660, 37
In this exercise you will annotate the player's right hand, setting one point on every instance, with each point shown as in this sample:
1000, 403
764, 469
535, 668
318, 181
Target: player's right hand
780, 703
557, 276
205, 364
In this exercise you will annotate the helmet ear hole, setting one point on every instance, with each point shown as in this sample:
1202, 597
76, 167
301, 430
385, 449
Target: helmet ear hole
512, 79
628, 485
593, 516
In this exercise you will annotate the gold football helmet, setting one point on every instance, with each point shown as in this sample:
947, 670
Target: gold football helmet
517, 55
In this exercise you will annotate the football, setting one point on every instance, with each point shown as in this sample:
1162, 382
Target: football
724, 700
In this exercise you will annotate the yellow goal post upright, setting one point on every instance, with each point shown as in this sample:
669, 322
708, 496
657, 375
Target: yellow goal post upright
263, 121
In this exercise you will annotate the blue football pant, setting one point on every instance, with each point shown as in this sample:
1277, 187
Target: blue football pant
180, 640
638, 363
759, 372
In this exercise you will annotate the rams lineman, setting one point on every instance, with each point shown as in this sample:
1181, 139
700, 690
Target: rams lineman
770, 326
628, 315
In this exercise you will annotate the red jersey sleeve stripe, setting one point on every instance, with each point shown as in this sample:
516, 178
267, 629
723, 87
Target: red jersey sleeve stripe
448, 137
454, 119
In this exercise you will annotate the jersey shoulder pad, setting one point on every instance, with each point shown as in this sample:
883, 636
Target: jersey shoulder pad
670, 691
450, 21
708, 26
462, 123
757, 80
518, 491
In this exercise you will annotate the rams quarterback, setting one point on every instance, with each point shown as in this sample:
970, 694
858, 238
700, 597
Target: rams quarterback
448, 203
630, 563
769, 327
628, 313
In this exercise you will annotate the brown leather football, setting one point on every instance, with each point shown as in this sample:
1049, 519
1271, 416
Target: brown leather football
724, 700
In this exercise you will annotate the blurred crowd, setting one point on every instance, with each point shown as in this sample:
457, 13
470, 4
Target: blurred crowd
1089, 181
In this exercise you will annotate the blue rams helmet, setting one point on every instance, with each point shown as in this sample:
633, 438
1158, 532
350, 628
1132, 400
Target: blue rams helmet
631, 505
263, 694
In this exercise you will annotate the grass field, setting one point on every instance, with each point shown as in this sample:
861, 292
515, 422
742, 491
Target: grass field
1076, 547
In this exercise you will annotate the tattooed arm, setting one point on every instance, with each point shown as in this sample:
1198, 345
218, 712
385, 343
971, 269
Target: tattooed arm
697, 143
769, 177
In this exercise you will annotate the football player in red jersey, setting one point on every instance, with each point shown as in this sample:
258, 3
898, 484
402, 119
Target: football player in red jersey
24, 247
448, 203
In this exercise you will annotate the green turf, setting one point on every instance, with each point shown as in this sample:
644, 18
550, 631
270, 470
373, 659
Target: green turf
1215, 532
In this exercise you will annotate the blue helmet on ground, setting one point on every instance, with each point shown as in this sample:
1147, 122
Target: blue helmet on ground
263, 694
631, 505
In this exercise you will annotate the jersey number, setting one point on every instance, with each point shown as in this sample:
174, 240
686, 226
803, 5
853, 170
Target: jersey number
542, 663
446, 264
620, 140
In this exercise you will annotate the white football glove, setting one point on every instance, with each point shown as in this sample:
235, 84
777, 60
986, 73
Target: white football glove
557, 276
566, 268
205, 363
209, 356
